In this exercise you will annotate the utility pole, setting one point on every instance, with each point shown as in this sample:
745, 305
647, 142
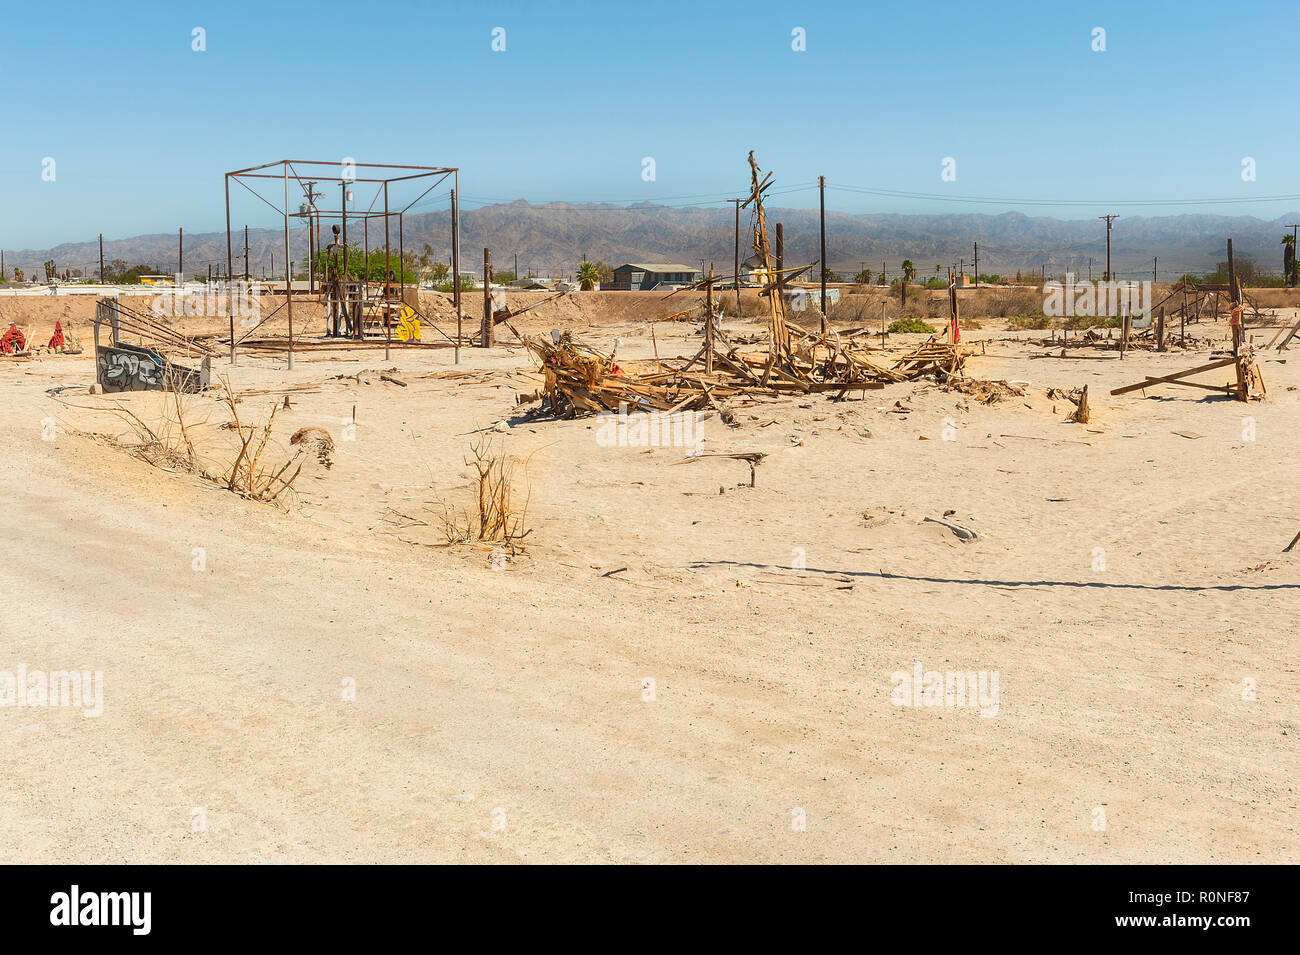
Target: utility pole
1289, 279
180, 255
736, 275
821, 188
245, 253
101, 259
977, 265
311, 238
1109, 219
1155, 269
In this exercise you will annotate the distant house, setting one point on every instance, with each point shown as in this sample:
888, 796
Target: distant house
640, 276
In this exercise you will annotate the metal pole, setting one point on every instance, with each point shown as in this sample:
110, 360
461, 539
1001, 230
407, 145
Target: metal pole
288, 265
388, 287
346, 278
455, 258
821, 186
230, 306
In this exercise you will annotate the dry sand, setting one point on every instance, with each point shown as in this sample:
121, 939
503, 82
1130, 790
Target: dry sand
502, 710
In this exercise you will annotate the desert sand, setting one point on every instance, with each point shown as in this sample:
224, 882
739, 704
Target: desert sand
675, 666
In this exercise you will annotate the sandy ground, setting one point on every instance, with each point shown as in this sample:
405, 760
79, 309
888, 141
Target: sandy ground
724, 698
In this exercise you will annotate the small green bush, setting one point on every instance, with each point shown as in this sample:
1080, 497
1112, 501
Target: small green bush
1035, 321
912, 325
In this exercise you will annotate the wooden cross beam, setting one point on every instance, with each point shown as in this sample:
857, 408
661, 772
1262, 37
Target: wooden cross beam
1176, 379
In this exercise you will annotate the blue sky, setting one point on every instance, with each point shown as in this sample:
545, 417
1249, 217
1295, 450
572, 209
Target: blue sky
142, 128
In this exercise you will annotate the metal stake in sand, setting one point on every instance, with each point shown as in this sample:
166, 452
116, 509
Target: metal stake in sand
388, 286
230, 307
288, 265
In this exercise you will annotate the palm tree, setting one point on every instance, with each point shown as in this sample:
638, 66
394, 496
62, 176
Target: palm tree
1288, 259
588, 275
863, 277
909, 273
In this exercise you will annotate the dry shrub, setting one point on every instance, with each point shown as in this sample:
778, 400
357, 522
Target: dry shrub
500, 513
175, 441
250, 475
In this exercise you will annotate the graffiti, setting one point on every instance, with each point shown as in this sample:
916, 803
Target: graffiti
127, 368
408, 325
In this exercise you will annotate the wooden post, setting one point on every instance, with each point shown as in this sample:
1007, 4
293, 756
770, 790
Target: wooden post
780, 260
1234, 323
1182, 321
1160, 329
485, 334
1128, 322
708, 323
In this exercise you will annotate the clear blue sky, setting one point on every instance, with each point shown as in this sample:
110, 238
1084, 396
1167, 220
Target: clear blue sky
142, 128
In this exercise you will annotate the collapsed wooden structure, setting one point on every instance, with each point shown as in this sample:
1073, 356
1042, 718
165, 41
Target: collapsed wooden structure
581, 380
1247, 383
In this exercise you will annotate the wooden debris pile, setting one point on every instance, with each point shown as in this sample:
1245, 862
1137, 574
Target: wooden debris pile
580, 379
985, 392
1078, 397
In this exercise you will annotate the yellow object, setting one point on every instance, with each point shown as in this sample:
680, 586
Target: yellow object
408, 326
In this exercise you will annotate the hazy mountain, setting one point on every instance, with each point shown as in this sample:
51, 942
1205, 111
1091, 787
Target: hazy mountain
555, 236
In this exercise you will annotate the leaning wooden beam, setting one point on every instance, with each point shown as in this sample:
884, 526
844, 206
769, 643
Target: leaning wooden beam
1174, 379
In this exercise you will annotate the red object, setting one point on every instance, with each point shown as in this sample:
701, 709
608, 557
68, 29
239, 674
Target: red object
13, 341
56, 340
956, 332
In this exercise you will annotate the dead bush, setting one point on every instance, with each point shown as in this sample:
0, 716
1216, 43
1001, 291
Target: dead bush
500, 513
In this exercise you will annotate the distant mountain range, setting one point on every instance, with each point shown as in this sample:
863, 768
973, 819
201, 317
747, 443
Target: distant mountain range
553, 237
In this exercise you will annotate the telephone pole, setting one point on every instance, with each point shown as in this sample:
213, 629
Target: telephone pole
311, 192
101, 259
736, 274
1290, 279
245, 253
821, 188
977, 265
180, 255
1109, 219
